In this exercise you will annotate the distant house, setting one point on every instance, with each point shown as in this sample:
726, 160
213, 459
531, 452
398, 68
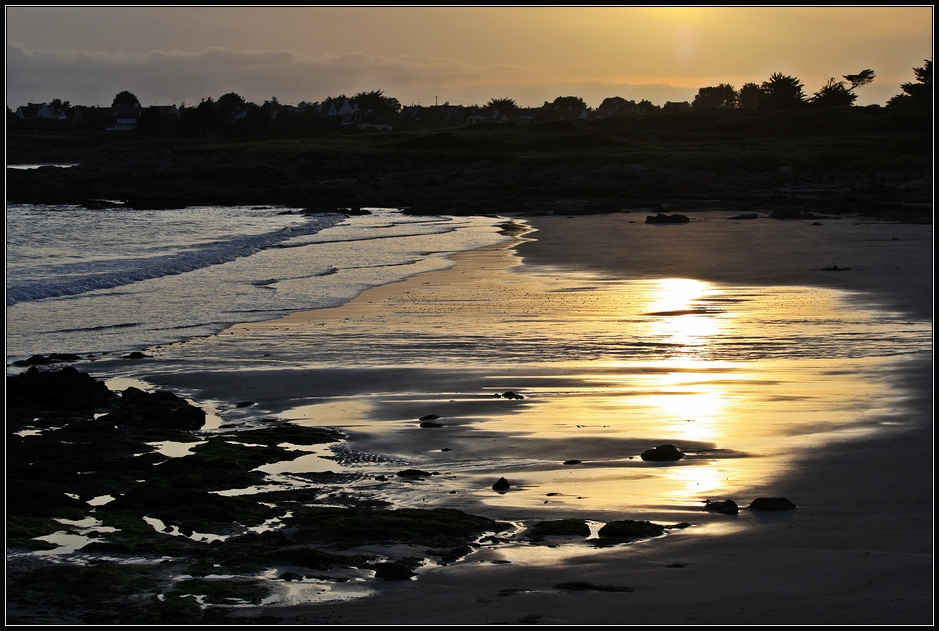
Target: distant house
125, 119
362, 120
170, 111
482, 116
39, 110
615, 106
332, 107
526, 115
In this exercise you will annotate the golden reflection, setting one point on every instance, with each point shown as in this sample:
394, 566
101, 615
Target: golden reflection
674, 294
681, 314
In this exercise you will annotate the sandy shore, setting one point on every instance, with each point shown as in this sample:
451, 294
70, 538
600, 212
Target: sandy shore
858, 549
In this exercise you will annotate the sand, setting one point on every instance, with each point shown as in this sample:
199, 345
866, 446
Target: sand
857, 550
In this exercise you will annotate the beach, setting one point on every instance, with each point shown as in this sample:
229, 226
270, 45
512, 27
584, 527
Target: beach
841, 428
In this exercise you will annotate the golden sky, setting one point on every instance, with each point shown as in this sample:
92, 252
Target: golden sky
465, 54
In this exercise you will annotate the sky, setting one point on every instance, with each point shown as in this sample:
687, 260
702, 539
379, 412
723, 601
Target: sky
467, 55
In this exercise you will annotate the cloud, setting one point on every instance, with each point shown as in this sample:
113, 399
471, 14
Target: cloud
174, 76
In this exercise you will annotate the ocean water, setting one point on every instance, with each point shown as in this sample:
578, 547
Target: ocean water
105, 281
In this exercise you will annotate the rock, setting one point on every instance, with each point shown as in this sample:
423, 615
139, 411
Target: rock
244, 404
572, 462
580, 586
501, 485
511, 395
39, 360
835, 268
413, 473
771, 504
429, 417
662, 453
560, 527
136, 355
392, 572
663, 218
630, 529
66, 389
724, 507
745, 216
427, 424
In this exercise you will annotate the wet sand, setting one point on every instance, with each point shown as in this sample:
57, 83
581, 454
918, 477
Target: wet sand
851, 444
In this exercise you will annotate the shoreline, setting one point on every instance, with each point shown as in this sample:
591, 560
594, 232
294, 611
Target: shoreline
835, 559
831, 561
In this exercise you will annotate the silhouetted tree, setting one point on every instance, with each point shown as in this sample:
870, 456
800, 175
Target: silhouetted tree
377, 102
720, 96
782, 92
125, 99
257, 122
571, 102
646, 107
833, 94
58, 105
505, 105
202, 120
750, 96
919, 93
229, 104
615, 106
864, 77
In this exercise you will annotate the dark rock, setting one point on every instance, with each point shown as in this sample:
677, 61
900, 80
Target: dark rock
392, 572
429, 417
771, 504
501, 485
835, 268
572, 462
511, 395
137, 355
244, 404
580, 586
428, 424
66, 389
40, 360
630, 529
724, 507
662, 453
413, 473
663, 218
745, 216
560, 527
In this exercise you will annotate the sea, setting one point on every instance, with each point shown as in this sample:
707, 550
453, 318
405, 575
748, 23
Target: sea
92, 282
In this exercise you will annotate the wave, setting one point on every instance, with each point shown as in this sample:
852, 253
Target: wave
79, 278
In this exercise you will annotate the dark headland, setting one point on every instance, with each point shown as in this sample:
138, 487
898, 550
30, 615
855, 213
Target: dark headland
795, 164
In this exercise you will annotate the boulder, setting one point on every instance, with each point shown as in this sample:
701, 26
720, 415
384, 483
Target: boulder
501, 485
663, 218
389, 571
662, 453
771, 504
724, 507
413, 473
630, 529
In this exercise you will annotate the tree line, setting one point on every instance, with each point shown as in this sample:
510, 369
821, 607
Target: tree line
231, 113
